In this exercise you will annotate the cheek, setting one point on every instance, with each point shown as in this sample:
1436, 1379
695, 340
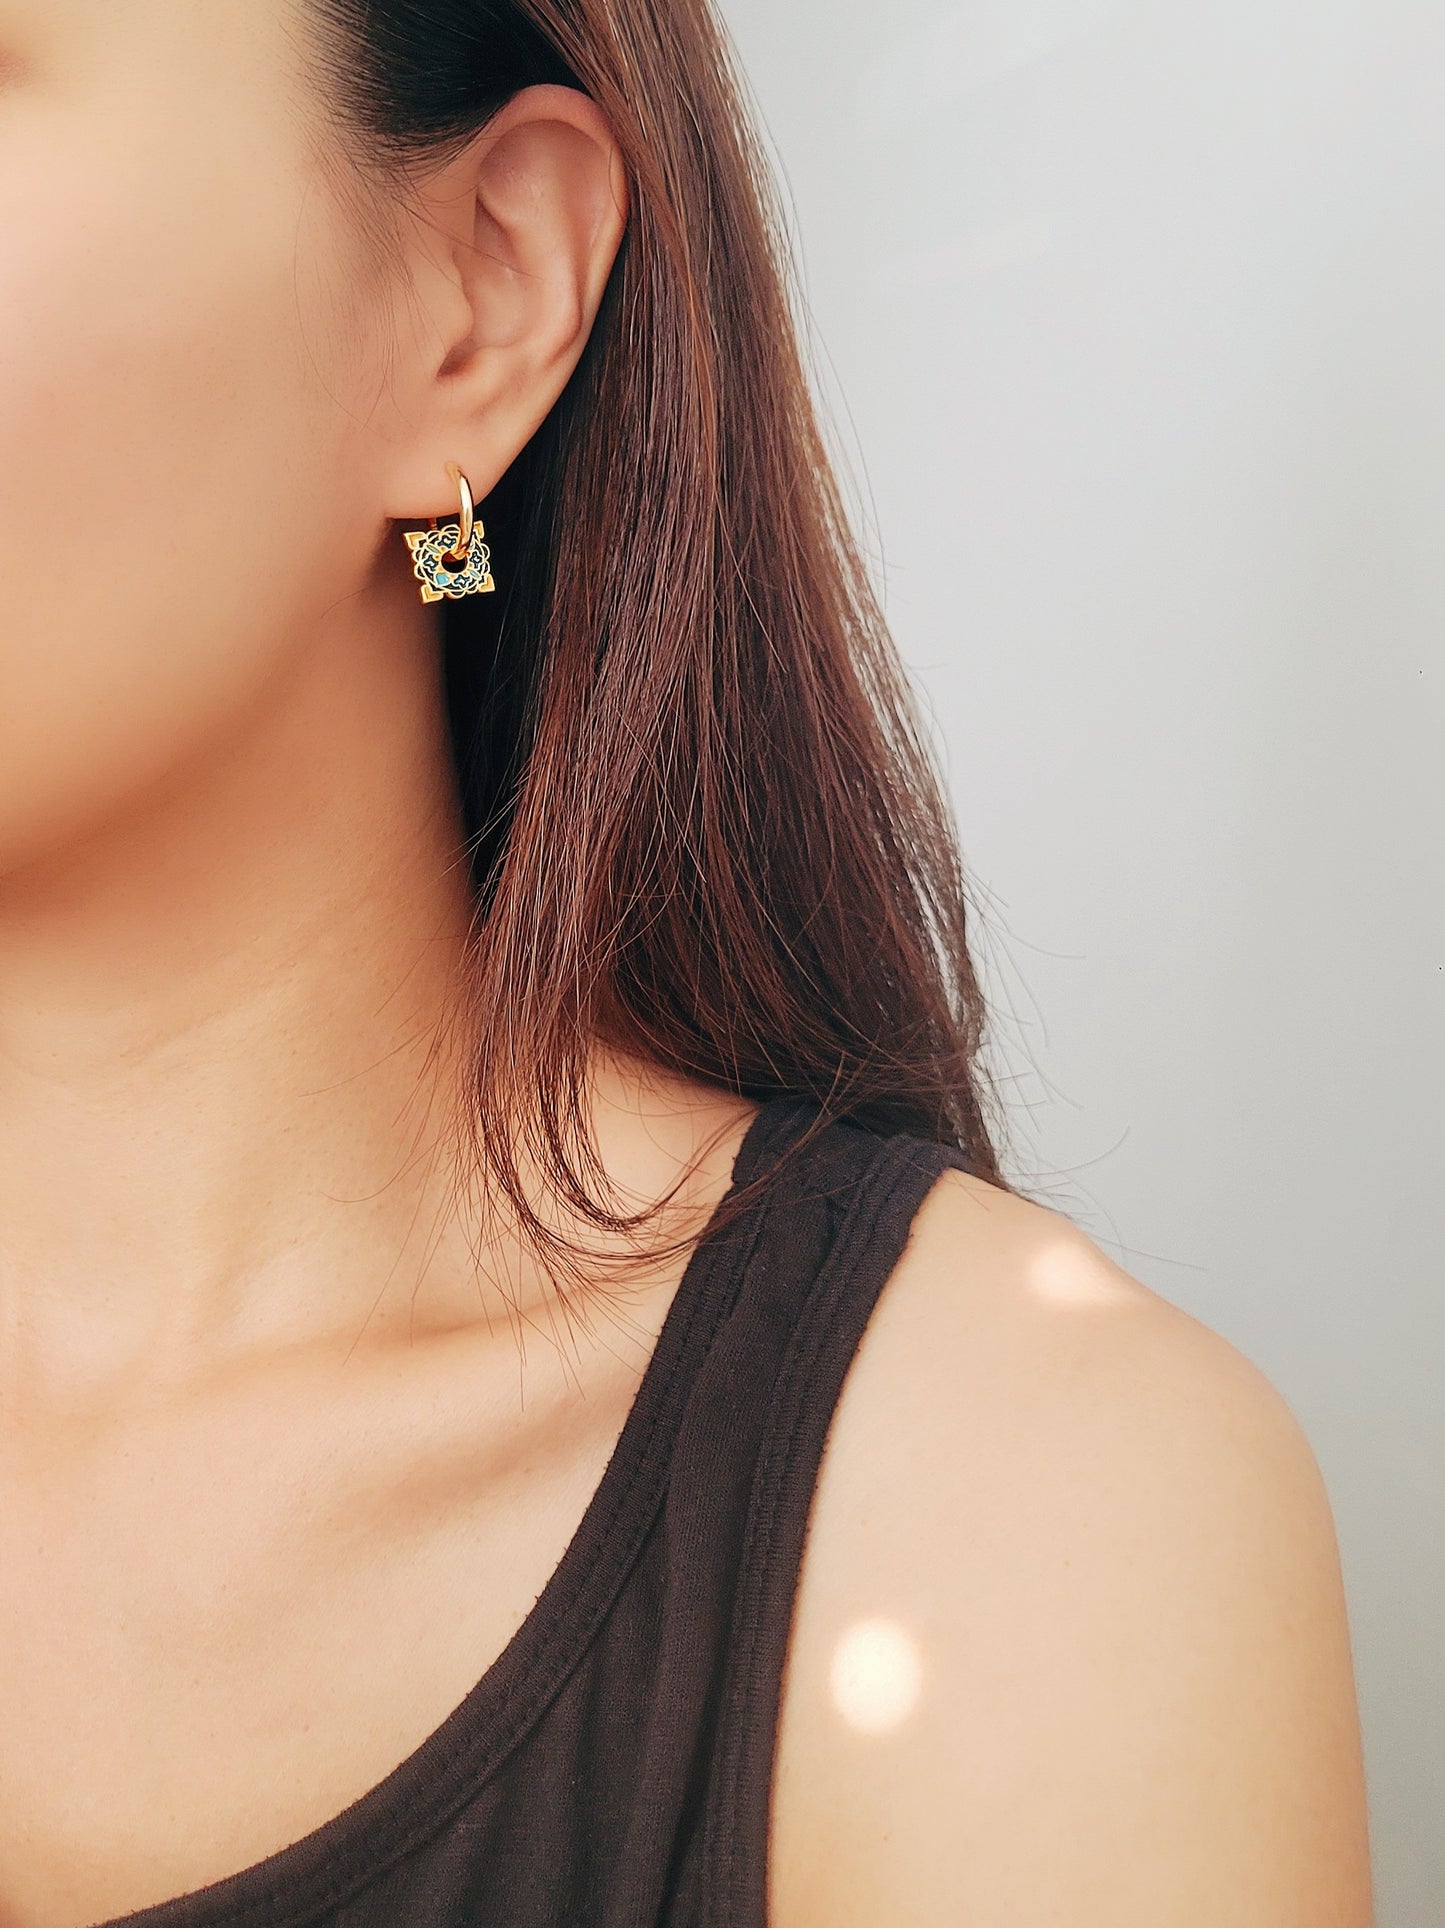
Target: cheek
169, 455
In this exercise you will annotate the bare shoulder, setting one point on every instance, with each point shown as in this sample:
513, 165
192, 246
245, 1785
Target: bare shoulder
1070, 1642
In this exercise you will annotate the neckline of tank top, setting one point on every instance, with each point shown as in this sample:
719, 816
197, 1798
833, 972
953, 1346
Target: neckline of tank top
408, 1805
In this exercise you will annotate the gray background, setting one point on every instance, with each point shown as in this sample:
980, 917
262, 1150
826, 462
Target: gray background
1131, 318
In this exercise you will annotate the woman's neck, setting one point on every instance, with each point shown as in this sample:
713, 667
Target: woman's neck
215, 1013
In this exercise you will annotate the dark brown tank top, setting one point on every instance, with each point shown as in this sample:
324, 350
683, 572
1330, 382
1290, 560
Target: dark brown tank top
613, 1767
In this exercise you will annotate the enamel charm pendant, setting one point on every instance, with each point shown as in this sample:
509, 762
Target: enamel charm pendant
433, 559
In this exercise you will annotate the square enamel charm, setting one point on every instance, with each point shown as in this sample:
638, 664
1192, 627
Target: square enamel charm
439, 578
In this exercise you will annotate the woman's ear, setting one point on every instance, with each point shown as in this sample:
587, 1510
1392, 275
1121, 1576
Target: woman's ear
520, 234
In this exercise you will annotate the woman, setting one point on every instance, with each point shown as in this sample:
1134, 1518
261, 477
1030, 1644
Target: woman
491, 1090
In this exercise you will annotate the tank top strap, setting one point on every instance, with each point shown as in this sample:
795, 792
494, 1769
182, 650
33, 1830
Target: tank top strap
830, 1243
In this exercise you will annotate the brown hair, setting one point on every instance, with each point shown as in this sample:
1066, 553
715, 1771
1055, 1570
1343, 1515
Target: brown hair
703, 823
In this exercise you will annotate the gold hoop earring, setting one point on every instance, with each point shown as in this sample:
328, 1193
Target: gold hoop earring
453, 560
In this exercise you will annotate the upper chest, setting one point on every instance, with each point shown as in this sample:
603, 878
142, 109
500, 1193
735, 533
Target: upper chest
219, 1631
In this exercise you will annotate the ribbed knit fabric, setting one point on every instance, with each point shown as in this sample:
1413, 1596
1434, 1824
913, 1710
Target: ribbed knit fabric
613, 1767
